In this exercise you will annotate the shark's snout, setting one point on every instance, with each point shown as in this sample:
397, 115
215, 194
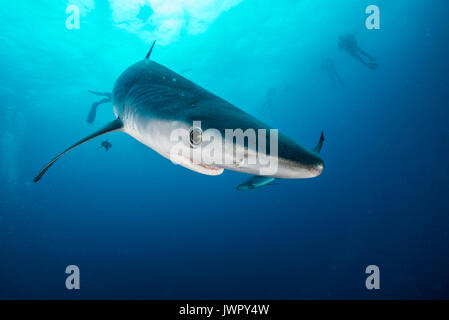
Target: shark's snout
317, 168
296, 162
313, 168
300, 168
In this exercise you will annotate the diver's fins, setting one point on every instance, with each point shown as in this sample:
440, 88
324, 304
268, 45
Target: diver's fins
115, 125
319, 145
372, 65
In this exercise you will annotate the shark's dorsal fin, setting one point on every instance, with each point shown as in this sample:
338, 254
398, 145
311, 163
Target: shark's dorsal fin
151, 49
319, 145
110, 127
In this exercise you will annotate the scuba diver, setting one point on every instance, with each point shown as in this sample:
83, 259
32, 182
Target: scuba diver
271, 95
349, 44
106, 145
268, 103
328, 66
93, 110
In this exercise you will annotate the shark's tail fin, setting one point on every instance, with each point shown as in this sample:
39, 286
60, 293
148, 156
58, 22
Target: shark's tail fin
110, 127
93, 110
319, 145
105, 94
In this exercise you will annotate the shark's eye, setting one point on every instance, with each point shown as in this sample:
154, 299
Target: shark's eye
195, 136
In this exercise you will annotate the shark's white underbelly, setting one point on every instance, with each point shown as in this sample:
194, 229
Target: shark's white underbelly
157, 134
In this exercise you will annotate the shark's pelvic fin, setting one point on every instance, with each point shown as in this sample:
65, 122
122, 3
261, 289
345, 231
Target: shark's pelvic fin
319, 145
115, 125
151, 49
255, 182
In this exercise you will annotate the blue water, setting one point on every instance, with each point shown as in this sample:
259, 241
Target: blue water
140, 227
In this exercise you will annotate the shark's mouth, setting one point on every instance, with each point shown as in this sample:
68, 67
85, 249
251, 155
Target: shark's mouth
201, 167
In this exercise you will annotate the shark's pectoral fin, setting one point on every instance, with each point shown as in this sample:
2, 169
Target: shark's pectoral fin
319, 145
115, 125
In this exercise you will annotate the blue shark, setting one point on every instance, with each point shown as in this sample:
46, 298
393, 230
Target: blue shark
150, 101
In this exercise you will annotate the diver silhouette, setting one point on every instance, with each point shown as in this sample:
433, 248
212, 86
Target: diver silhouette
272, 94
93, 111
349, 44
328, 66
106, 145
268, 103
